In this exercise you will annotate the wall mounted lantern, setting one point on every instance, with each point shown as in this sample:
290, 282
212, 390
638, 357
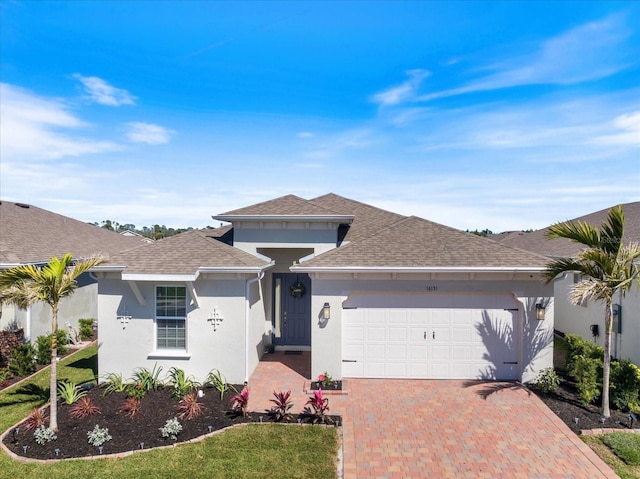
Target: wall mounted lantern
540, 310
326, 312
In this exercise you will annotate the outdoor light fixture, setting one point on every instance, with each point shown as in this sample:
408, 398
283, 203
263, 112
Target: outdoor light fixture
326, 312
539, 311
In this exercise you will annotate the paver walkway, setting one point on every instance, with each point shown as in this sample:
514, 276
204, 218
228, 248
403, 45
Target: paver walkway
440, 429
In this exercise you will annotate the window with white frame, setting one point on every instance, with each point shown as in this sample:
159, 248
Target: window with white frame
171, 315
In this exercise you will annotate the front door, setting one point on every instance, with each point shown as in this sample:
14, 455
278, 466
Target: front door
292, 309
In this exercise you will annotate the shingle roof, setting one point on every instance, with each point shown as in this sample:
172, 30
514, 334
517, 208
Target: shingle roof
537, 241
185, 253
368, 219
29, 234
415, 242
285, 205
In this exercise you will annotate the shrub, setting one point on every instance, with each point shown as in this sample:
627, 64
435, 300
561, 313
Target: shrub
318, 409
171, 429
98, 436
240, 402
587, 372
114, 383
219, 382
625, 385
626, 446
43, 346
69, 393
83, 408
5, 375
35, 419
547, 381
22, 362
43, 435
86, 328
189, 407
130, 407
182, 384
149, 379
282, 405
579, 347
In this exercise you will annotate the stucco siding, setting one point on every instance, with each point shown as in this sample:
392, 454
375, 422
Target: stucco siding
125, 347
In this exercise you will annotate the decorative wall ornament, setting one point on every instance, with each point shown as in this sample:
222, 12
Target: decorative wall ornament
124, 318
215, 318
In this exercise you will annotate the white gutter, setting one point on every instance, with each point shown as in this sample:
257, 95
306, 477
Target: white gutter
247, 312
415, 269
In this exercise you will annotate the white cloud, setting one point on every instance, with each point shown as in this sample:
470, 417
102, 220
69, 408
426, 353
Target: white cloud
306, 134
629, 123
38, 128
101, 92
403, 92
140, 132
588, 52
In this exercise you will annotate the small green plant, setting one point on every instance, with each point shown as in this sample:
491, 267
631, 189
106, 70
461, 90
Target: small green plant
43, 435
324, 379
579, 347
171, 429
98, 436
626, 446
23, 362
625, 385
130, 407
587, 372
86, 328
62, 343
282, 404
5, 375
150, 379
43, 346
547, 381
181, 383
35, 419
114, 383
83, 408
69, 393
219, 382
189, 407
318, 408
240, 402
136, 390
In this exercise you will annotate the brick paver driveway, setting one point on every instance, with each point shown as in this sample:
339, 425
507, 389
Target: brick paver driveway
457, 429
438, 429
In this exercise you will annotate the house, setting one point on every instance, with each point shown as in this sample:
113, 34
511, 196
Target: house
32, 235
587, 319
368, 292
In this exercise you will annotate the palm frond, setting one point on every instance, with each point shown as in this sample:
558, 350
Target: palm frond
612, 230
576, 231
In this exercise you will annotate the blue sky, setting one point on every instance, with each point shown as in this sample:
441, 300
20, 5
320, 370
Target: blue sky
500, 115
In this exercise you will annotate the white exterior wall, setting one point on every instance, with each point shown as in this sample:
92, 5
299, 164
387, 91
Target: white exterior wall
578, 319
124, 348
326, 339
250, 237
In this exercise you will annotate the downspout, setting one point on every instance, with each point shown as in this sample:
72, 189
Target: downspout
246, 323
28, 325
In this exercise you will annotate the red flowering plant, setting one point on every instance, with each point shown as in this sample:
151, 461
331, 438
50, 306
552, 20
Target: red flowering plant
240, 402
282, 406
324, 379
318, 408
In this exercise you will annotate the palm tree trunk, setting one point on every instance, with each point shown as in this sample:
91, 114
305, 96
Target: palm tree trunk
53, 393
607, 359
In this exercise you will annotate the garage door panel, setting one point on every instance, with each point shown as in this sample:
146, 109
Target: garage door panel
396, 342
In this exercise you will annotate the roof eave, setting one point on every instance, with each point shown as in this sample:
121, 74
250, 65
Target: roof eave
417, 269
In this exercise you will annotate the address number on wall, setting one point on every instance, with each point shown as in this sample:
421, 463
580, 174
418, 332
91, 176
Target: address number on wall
432, 288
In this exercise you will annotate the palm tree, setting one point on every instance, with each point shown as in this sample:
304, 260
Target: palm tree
28, 284
606, 266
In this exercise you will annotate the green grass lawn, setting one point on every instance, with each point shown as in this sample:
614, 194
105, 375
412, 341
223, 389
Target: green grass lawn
613, 449
265, 451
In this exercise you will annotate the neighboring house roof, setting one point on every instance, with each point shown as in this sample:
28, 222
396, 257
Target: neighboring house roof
538, 242
416, 243
367, 219
186, 253
29, 234
289, 207
137, 235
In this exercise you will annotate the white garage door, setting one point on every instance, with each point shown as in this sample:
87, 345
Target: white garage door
430, 336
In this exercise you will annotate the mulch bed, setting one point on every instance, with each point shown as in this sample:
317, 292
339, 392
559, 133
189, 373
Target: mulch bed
128, 433
565, 403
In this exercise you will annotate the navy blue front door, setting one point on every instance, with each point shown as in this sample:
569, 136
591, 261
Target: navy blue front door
292, 309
